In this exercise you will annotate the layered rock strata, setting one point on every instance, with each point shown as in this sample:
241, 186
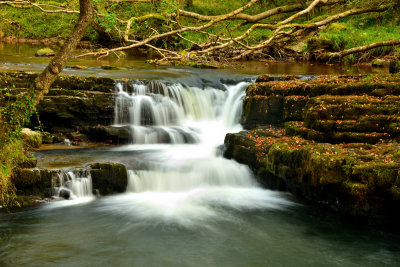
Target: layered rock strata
332, 140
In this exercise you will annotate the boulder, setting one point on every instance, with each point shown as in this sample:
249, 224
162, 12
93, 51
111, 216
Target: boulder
379, 63
64, 193
31, 139
109, 178
44, 52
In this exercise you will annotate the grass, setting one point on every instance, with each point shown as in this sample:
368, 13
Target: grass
11, 155
33, 24
363, 30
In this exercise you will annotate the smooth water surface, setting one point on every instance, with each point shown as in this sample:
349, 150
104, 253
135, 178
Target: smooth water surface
120, 231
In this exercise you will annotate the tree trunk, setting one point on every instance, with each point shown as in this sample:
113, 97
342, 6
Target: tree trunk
56, 65
330, 55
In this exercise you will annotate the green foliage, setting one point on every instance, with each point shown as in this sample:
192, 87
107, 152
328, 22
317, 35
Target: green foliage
11, 155
14, 114
167, 7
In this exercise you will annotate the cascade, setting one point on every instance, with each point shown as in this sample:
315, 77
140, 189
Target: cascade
73, 184
162, 112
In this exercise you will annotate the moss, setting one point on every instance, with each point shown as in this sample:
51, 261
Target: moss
37, 182
44, 52
357, 179
109, 178
337, 27
378, 63
109, 67
31, 139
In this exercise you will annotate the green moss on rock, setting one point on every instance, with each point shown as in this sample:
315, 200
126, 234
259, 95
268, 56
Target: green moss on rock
357, 179
31, 139
109, 178
44, 52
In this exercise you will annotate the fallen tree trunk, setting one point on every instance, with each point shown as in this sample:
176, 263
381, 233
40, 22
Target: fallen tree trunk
335, 55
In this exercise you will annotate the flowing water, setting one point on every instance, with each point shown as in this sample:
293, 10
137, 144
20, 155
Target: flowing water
184, 205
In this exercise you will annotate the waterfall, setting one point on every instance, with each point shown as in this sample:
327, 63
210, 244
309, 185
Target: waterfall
161, 112
73, 184
190, 175
184, 182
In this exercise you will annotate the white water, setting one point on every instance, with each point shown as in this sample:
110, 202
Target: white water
185, 183
160, 113
78, 186
182, 180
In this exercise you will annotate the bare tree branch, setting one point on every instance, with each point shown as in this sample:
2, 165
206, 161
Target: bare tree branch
328, 56
39, 6
173, 32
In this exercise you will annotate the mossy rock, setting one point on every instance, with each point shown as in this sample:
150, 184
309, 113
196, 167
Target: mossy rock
358, 180
378, 63
37, 182
77, 67
31, 139
44, 52
29, 162
109, 67
109, 178
314, 44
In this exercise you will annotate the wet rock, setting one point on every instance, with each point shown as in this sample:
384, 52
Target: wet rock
356, 180
37, 182
44, 52
332, 141
64, 193
109, 134
63, 109
31, 139
109, 178
109, 67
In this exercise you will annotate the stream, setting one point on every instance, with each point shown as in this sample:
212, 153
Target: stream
185, 205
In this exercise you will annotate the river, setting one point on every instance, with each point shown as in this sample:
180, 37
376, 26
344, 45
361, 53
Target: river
184, 205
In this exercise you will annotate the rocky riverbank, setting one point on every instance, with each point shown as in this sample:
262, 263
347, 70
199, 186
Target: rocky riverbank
78, 108
331, 140
34, 185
